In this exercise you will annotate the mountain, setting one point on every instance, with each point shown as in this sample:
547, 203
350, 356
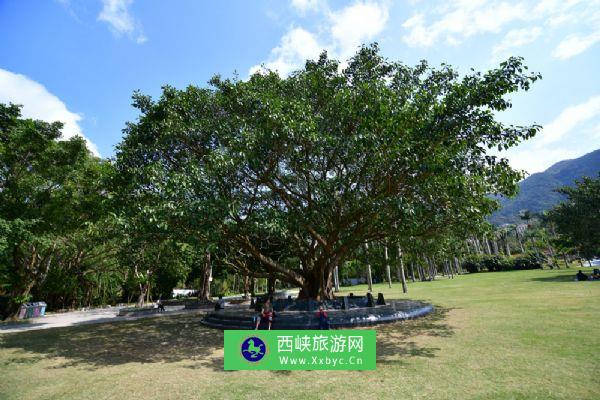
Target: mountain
537, 193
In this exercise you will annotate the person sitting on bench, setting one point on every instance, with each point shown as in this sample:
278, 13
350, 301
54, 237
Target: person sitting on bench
323, 319
581, 276
159, 305
220, 304
266, 314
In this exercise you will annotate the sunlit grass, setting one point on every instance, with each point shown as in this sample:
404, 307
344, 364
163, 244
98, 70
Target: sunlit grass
504, 335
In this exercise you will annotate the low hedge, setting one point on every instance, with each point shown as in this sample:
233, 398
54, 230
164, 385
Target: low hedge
493, 263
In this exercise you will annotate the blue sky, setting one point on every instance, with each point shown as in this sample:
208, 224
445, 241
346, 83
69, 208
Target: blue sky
79, 61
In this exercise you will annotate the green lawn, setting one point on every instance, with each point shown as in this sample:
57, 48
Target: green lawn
503, 335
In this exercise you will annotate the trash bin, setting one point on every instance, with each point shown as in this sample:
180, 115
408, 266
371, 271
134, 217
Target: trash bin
29, 312
22, 311
43, 306
39, 309
36, 310
32, 310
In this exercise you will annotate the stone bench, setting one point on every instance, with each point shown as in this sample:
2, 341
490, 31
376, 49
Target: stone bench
394, 310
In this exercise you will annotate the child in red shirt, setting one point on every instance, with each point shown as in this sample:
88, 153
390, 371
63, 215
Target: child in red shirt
323, 319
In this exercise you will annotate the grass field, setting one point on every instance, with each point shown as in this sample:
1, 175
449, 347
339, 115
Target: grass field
503, 335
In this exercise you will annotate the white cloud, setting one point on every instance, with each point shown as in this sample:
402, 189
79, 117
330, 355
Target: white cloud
39, 103
357, 24
595, 132
295, 48
533, 161
516, 38
557, 12
575, 44
350, 27
116, 14
453, 22
305, 5
585, 18
461, 19
568, 119
573, 133
419, 34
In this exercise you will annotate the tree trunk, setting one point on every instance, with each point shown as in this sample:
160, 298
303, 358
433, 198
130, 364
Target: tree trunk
32, 270
412, 271
329, 284
553, 257
369, 277
387, 266
429, 268
401, 271
148, 291
518, 236
246, 286
319, 285
142, 296
421, 270
271, 285
479, 246
565, 259
467, 246
205, 280
457, 265
13, 307
487, 246
336, 279
143, 286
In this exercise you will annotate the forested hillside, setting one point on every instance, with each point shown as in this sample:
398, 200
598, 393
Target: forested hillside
537, 191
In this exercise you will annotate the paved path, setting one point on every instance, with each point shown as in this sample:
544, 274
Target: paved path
93, 316
101, 315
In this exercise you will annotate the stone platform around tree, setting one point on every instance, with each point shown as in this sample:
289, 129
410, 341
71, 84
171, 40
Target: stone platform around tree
241, 317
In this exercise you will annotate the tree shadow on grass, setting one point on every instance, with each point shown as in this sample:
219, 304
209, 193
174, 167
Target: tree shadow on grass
555, 278
181, 338
397, 341
166, 340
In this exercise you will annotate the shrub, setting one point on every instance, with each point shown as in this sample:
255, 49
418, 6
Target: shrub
529, 261
472, 264
494, 263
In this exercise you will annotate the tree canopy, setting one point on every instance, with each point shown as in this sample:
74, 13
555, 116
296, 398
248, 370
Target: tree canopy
295, 174
50, 193
577, 219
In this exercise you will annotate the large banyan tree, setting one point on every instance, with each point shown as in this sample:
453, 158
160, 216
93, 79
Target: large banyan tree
296, 173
